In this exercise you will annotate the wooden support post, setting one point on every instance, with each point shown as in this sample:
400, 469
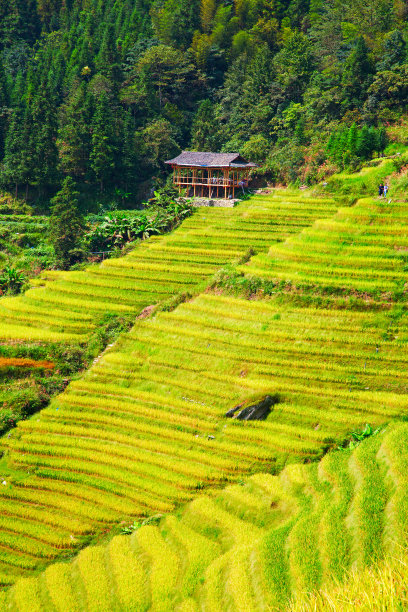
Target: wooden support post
194, 182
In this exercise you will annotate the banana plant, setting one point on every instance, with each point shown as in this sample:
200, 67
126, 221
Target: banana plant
11, 280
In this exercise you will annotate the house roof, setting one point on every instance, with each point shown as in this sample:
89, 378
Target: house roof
211, 160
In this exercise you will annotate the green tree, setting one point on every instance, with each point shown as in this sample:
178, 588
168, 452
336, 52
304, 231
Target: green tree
159, 144
4, 108
365, 143
357, 74
175, 21
164, 76
294, 65
207, 14
205, 128
352, 139
103, 141
74, 135
66, 224
129, 154
395, 51
382, 140
18, 157
43, 138
107, 62
390, 87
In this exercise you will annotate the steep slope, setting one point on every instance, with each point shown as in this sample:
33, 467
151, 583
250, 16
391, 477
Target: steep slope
251, 547
155, 270
362, 249
145, 429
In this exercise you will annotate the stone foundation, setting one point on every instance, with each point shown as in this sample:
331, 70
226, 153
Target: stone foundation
221, 203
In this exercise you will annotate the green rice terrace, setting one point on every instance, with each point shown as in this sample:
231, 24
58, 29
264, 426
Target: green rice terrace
156, 270
362, 249
176, 505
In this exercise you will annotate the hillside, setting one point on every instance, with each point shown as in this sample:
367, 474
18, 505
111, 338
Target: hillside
214, 417
252, 546
144, 431
105, 92
154, 271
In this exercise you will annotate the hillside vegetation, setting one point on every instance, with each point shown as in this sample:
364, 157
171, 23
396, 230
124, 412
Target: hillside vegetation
361, 250
129, 480
105, 92
154, 271
91, 307
144, 431
252, 546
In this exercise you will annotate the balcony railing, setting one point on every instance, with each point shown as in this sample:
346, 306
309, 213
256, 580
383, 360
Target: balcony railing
212, 182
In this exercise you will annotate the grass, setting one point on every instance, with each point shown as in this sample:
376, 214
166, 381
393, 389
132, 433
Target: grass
359, 183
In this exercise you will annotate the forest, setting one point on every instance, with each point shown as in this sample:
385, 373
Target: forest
104, 91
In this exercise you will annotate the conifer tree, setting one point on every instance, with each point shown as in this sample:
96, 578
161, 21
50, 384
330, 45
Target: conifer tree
104, 149
364, 143
18, 155
208, 8
107, 61
128, 153
4, 102
74, 135
66, 224
382, 140
357, 73
205, 128
43, 138
352, 140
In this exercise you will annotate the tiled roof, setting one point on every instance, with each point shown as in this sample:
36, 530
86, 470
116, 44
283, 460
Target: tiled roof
210, 160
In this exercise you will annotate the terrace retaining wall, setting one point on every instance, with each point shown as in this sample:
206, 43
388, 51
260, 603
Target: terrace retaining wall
221, 203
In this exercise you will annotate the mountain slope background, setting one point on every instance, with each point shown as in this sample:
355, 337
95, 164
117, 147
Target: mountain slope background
104, 92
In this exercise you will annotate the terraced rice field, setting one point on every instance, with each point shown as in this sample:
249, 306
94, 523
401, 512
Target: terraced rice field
19, 237
20, 386
363, 249
145, 430
253, 546
29, 229
157, 269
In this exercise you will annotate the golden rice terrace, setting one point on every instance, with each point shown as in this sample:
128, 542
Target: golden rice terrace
225, 514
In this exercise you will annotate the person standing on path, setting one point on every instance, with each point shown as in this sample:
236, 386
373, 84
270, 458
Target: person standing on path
381, 189
385, 190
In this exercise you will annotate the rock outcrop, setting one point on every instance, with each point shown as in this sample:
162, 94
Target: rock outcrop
254, 411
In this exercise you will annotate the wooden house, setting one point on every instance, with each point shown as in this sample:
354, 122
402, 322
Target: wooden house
212, 175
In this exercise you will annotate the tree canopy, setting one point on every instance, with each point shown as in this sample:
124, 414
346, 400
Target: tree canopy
101, 91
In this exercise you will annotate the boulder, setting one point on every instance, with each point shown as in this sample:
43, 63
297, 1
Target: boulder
254, 411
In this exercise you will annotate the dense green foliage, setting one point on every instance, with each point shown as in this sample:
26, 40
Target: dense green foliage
31, 243
66, 224
106, 92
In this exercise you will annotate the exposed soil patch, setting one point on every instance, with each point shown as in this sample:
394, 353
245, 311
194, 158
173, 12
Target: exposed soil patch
146, 312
